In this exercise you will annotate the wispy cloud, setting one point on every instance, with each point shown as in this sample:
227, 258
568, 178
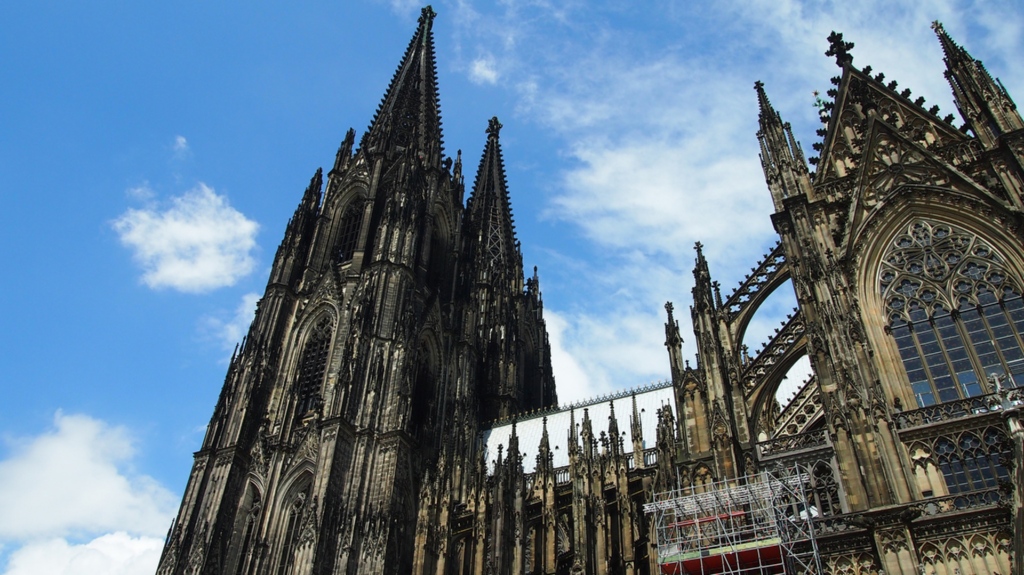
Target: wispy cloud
141, 193
483, 71
230, 331
196, 243
180, 147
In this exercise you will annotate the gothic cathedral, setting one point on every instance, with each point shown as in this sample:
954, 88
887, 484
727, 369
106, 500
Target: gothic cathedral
377, 416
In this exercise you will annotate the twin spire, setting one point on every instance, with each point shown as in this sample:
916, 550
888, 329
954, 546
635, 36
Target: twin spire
489, 210
409, 115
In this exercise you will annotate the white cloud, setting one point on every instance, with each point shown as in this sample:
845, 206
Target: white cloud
198, 243
70, 505
71, 479
594, 356
111, 554
483, 71
230, 332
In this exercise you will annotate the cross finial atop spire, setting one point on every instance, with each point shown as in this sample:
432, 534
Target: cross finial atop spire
427, 14
493, 127
840, 49
763, 104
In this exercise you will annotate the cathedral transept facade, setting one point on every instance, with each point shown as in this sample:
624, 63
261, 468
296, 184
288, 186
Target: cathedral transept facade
393, 408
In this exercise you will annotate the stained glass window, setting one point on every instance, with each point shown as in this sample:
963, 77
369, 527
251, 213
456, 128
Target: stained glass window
955, 314
974, 460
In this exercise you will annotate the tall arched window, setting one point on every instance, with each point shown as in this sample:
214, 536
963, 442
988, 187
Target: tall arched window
313, 364
249, 528
296, 510
955, 313
824, 490
348, 234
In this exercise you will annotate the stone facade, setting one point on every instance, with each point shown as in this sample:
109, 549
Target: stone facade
371, 420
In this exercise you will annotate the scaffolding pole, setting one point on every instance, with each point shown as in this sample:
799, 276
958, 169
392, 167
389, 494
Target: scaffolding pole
759, 524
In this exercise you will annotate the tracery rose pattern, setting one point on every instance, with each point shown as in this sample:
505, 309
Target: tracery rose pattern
936, 264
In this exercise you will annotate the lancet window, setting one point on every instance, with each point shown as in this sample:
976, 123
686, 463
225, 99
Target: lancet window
292, 524
348, 234
955, 312
824, 491
248, 532
313, 364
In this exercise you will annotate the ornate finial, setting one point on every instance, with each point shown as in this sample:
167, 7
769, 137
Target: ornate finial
840, 49
493, 127
937, 27
763, 104
699, 247
669, 308
427, 14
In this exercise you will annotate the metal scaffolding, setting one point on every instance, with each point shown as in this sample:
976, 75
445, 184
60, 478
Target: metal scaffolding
758, 524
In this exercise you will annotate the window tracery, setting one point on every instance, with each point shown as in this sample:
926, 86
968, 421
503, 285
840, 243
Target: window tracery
248, 532
313, 365
348, 235
824, 489
955, 313
295, 509
974, 460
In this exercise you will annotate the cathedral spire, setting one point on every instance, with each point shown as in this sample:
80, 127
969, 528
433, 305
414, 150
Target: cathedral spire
783, 162
409, 115
490, 216
983, 101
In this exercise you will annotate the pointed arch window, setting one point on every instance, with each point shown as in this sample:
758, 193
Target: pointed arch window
295, 510
348, 233
956, 315
824, 490
313, 365
248, 532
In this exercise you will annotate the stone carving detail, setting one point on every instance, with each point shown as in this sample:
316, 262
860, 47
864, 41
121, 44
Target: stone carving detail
934, 264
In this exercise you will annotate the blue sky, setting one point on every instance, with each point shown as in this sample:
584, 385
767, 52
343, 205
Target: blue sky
151, 153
